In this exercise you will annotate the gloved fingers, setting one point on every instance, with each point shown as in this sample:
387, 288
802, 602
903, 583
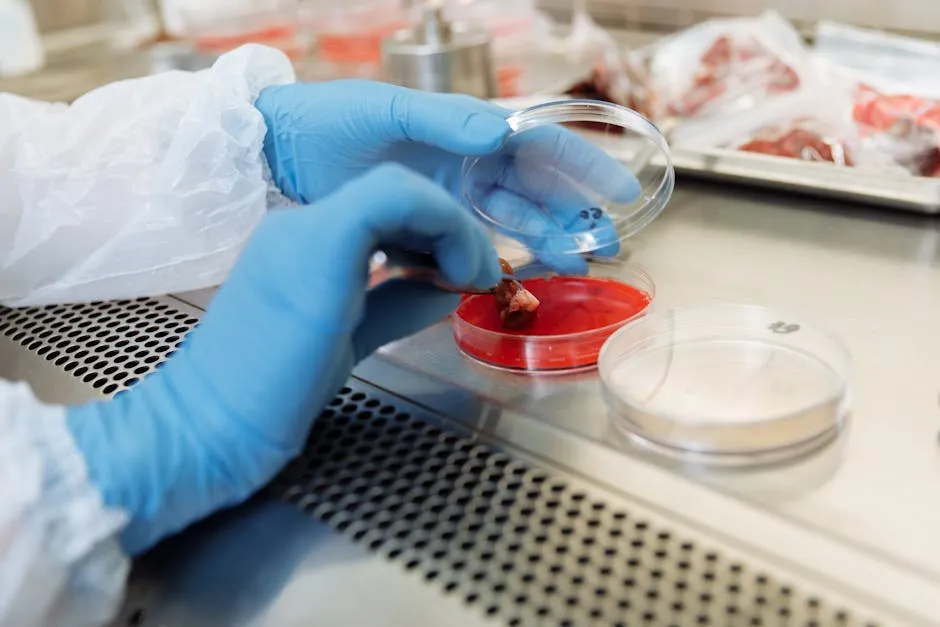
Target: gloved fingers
551, 225
456, 123
558, 149
396, 309
544, 237
562, 199
393, 206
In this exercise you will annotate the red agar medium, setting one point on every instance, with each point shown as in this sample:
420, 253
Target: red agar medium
576, 316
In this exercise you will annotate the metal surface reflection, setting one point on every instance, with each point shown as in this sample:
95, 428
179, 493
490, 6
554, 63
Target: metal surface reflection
870, 278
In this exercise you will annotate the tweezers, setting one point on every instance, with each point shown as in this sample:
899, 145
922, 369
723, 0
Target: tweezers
396, 263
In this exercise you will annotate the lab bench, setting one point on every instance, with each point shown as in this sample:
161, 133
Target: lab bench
433, 491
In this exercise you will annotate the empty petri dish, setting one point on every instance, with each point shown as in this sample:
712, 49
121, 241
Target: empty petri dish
726, 383
576, 316
573, 177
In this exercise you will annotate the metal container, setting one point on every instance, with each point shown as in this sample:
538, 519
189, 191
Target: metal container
438, 56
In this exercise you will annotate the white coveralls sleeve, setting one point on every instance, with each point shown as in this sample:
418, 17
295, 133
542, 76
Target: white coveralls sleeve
60, 563
140, 188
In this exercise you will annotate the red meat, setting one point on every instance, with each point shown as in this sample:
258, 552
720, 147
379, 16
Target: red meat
517, 306
732, 65
798, 142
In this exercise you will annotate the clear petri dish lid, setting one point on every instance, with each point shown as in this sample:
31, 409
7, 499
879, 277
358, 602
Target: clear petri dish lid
574, 176
726, 383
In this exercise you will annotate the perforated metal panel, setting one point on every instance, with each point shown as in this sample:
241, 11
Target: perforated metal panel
512, 541
109, 346
515, 541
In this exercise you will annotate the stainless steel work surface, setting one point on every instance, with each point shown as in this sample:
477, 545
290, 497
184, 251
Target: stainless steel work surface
872, 279
462, 496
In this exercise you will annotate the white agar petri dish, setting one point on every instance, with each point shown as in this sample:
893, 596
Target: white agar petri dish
730, 383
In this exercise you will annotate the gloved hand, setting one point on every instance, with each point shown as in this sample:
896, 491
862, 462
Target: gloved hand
236, 402
322, 135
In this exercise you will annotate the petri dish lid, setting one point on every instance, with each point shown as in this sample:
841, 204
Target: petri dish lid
726, 383
574, 176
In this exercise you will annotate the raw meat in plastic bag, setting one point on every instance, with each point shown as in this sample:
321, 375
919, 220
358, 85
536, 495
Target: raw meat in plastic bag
804, 138
725, 65
906, 127
804, 125
897, 91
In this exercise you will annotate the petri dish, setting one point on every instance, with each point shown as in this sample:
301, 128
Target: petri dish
727, 383
577, 315
573, 177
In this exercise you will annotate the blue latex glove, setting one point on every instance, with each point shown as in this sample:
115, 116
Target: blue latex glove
322, 135
236, 402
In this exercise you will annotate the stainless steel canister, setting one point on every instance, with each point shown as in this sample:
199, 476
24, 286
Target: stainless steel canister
439, 56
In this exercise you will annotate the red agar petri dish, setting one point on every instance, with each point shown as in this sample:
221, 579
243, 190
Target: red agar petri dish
577, 315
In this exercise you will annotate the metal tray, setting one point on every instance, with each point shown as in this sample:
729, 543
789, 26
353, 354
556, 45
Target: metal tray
886, 189
864, 185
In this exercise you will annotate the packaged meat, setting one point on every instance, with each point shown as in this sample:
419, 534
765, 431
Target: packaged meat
803, 125
804, 138
726, 65
715, 67
905, 126
896, 82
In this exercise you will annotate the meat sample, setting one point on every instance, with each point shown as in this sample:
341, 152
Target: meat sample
517, 305
798, 141
733, 67
909, 126
886, 112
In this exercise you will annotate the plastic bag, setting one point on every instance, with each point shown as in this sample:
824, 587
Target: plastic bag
887, 63
805, 138
725, 65
905, 126
803, 125
896, 83
616, 77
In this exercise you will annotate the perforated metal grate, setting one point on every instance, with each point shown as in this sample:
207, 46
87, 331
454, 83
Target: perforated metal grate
513, 541
109, 346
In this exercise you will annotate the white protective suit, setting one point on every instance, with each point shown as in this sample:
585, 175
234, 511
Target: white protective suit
142, 187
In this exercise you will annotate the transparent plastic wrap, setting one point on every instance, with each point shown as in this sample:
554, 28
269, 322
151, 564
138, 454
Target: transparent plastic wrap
904, 126
807, 125
896, 83
806, 138
720, 66
616, 77
724, 65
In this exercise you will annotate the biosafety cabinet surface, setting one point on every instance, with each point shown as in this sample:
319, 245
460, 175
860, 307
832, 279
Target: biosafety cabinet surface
432, 492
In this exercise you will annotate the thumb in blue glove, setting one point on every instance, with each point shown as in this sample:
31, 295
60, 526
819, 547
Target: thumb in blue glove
236, 402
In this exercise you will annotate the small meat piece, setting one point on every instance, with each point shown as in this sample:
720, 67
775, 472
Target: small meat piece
800, 141
734, 68
517, 306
